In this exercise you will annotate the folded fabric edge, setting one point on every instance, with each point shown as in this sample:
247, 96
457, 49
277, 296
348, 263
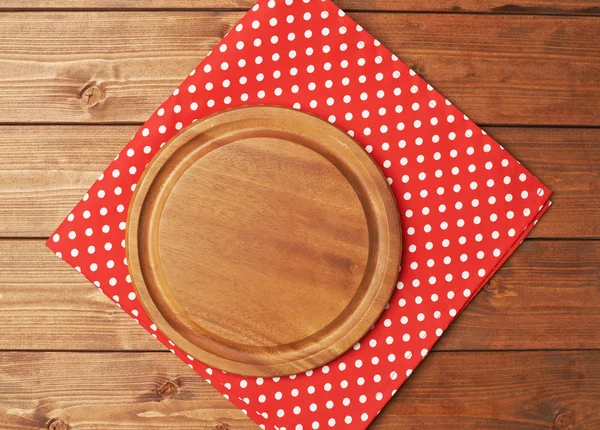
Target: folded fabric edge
393, 386
517, 242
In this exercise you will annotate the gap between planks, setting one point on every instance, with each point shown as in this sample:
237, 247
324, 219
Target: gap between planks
533, 239
139, 124
379, 11
347, 10
166, 351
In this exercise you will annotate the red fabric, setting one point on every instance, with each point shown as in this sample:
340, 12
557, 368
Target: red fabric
465, 203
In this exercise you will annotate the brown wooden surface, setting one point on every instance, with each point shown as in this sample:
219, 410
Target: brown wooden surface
97, 67
321, 270
500, 390
70, 357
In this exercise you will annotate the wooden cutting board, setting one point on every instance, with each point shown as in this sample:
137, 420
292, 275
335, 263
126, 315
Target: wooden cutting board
263, 241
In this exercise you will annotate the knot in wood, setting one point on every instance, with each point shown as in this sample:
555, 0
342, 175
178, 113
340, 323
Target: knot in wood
221, 426
490, 287
167, 390
57, 424
91, 95
564, 421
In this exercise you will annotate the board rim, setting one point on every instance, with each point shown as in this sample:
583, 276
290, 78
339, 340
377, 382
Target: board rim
271, 361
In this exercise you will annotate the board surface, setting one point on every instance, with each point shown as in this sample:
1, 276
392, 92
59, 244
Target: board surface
263, 241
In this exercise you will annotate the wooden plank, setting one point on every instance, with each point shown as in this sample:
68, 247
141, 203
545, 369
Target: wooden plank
498, 69
46, 304
563, 7
502, 390
533, 390
544, 297
45, 170
567, 161
109, 390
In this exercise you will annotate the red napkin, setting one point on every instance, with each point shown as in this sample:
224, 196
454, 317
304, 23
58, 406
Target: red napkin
465, 203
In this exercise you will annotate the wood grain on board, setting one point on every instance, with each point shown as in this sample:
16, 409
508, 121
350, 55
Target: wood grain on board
45, 170
97, 67
566, 7
109, 391
45, 304
500, 390
283, 222
545, 297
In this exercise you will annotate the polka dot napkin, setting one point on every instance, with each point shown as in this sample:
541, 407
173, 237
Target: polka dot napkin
465, 203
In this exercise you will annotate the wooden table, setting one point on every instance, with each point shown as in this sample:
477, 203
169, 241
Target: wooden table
77, 77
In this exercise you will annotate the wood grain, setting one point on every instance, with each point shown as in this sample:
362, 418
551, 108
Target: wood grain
263, 241
501, 390
46, 304
565, 7
93, 66
45, 170
109, 391
98, 67
545, 297
533, 390
568, 162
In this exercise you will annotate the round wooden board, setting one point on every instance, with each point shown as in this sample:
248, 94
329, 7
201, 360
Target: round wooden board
263, 241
